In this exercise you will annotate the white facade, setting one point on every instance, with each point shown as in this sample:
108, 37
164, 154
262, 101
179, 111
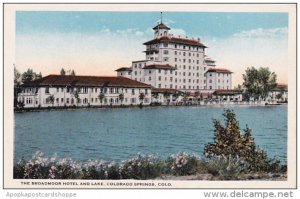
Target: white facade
217, 79
172, 62
65, 96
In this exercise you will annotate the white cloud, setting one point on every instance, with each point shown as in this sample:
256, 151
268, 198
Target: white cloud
177, 32
263, 33
259, 48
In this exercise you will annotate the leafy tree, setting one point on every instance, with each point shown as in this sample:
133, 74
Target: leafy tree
51, 99
101, 96
76, 95
258, 83
167, 96
229, 142
17, 77
141, 98
29, 76
73, 72
121, 98
62, 71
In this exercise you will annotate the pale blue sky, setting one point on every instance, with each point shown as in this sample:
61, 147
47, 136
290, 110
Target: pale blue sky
204, 23
97, 43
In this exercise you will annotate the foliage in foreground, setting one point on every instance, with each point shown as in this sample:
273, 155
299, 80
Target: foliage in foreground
140, 167
230, 143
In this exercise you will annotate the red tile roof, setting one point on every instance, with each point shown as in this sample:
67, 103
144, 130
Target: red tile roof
218, 70
282, 86
175, 40
124, 69
159, 66
103, 81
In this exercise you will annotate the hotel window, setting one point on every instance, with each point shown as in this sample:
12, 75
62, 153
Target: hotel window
189, 80
105, 100
68, 101
111, 100
189, 47
189, 67
105, 90
140, 65
146, 91
62, 100
85, 90
210, 81
197, 54
197, 67
62, 89
95, 90
197, 61
175, 52
132, 91
184, 47
171, 86
176, 73
57, 89
68, 89
149, 71
183, 66
92, 100
197, 74
218, 80
166, 52
189, 73
189, 60
159, 78
96, 99
183, 53
132, 100
166, 58
189, 87
159, 85
165, 78
159, 71
171, 79
166, 72
183, 80
135, 72
175, 80
210, 87
197, 80
183, 86
112, 90
189, 54
72, 101
135, 65
183, 73
117, 90
204, 68
125, 100
149, 78
171, 72
183, 60
210, 74
175, 59
175, 46
204, 81
165, 44
57, 100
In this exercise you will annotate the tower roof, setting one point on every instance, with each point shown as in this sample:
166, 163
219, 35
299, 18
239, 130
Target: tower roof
161, 25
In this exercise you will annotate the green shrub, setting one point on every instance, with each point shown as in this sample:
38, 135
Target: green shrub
141, 167
184, 164
227, 167
229, 142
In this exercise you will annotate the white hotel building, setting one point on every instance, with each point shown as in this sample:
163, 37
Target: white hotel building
82, 91
176, 63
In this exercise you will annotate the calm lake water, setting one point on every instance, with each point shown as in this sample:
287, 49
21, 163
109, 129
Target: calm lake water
118, 134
